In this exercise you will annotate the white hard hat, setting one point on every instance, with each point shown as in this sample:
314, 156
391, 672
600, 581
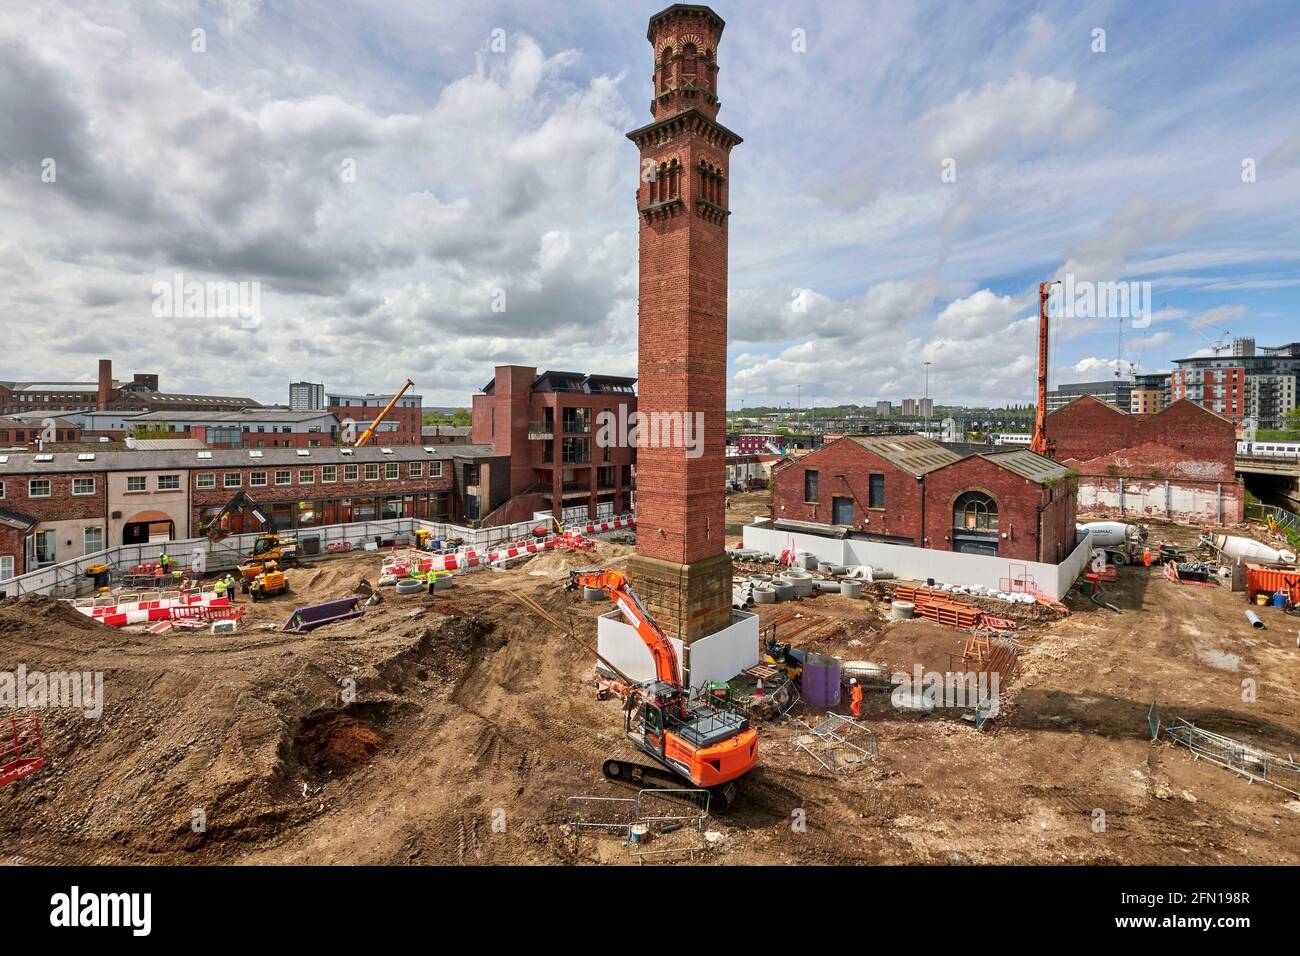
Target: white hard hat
853, 680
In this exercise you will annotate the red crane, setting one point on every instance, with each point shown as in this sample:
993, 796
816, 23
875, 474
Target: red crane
1040, 444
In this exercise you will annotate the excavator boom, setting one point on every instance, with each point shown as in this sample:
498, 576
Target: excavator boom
240, 503
616, 585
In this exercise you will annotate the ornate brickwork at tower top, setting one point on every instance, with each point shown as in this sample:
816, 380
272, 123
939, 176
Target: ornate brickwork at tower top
685, 41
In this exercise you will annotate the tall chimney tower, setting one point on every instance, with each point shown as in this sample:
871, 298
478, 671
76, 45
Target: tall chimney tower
105, 383
681, 570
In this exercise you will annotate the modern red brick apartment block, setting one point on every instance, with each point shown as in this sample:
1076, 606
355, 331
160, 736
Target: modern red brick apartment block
681, 569
906, 489
1221, 390
1179, 463
400, 427
546, 425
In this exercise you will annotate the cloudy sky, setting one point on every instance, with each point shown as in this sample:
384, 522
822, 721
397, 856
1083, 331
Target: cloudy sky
392, 174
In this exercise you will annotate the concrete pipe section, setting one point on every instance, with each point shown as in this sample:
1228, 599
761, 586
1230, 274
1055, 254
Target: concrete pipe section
764, 594
802, 581
851, 589
903, 610
1255, 622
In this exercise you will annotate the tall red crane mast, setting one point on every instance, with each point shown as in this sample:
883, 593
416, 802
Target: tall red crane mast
1040, 444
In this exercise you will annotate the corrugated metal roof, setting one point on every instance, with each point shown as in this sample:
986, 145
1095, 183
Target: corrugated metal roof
1028, 464
912, 453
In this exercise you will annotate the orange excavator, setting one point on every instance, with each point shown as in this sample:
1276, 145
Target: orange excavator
710, 749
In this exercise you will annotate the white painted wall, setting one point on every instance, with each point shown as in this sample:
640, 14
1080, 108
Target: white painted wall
1157, 499
719, 656
723, 655
919, 564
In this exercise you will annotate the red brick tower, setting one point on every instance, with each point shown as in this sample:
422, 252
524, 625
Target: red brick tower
680, 569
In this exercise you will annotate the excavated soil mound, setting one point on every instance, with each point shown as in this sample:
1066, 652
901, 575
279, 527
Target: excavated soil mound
334, 743
38, 611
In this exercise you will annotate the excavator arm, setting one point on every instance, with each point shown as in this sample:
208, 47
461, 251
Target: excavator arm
241, 503
616, 585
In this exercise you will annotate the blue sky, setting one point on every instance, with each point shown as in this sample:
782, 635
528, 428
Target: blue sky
483, 168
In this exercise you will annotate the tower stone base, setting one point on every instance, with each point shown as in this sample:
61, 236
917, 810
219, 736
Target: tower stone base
688, 601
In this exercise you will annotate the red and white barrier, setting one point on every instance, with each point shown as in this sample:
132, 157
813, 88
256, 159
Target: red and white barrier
147, 610
401, 565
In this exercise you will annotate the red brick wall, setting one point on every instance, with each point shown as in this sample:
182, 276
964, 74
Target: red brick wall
11, 545
272, 493
1088, 428
408, 421
1018, 500
683, 318
62, 505
844, 468
501, 420
1187, 445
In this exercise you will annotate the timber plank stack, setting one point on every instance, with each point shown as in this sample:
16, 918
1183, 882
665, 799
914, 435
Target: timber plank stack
938, 606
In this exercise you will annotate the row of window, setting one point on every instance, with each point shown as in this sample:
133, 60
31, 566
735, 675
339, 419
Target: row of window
391, 471
20, 437
41, 487
138, 484
812, 489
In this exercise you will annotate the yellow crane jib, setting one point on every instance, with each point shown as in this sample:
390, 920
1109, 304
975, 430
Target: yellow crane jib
369, 433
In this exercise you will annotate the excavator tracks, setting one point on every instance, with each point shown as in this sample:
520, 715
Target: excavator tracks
651, 776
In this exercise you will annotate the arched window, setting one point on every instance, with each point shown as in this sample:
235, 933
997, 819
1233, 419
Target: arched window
710, 73
688, 65
975, 511
665, 63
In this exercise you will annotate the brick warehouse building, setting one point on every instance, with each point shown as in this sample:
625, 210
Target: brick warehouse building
54, 507
1179, 463
546, 425
906, 489
108, 394
681, 569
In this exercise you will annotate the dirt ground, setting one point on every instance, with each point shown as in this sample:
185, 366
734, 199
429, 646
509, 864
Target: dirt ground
474, 720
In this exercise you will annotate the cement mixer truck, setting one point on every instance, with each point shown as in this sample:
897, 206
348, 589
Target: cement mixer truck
1121, 541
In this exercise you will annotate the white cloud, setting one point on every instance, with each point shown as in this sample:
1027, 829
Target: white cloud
1040, 113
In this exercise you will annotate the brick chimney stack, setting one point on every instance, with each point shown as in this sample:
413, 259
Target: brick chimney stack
681, 570
105, 383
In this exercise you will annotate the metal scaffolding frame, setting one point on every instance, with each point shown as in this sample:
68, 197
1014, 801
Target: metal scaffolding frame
1253, 763
844, 743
